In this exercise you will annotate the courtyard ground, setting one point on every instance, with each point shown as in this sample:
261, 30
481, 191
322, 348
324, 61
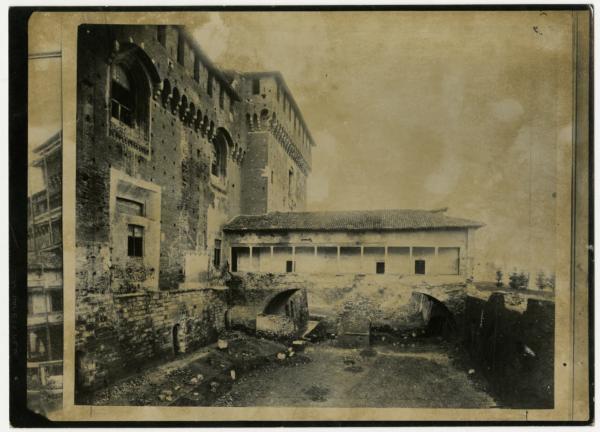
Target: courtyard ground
423, 372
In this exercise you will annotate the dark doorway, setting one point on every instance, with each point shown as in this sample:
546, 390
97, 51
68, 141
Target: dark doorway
289, 266
176, 346
380, 267
420, 267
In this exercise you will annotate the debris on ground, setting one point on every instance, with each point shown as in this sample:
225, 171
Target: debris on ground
299, 345
197, 378
349, 360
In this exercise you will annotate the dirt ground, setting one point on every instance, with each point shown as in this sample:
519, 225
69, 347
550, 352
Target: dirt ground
420, 374
411, 372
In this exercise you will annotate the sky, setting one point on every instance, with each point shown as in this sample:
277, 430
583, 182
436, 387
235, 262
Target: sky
463, 110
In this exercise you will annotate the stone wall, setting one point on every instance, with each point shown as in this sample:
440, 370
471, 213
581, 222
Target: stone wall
513, 347
116, 334
386, 300
266, 307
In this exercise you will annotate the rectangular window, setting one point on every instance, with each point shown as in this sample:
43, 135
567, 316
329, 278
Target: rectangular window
256, 86
135, 241
217, 254
222, 97
56, 300
130, 207
289, 266
197, 69
290, 183
161, 34
420, 267
181, 49
209, 83
380, 267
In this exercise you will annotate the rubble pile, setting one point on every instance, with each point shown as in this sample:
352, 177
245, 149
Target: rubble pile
201, 378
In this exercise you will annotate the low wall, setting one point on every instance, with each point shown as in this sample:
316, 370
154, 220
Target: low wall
513, 347
118, 333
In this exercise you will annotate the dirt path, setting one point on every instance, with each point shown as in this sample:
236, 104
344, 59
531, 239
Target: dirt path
334, 377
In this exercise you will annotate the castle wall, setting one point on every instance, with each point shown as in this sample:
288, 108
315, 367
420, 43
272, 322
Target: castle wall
164, 156
276, 170
176, 155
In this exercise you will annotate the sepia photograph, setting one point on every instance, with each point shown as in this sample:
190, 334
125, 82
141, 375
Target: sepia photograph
315, 209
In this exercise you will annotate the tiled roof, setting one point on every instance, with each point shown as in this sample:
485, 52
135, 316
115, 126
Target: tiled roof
368, 220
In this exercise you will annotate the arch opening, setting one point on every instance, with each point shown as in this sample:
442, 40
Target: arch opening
278, 304
220, 144
438, 319
130, 93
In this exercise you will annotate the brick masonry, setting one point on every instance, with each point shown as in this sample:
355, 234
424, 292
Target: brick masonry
118, 333
185, 112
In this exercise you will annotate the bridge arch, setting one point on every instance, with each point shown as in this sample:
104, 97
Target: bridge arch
276, 304
436, 314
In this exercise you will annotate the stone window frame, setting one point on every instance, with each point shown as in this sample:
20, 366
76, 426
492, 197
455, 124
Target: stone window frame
144, 79
125, 186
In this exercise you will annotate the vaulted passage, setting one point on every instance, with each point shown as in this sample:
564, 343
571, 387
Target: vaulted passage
277, 304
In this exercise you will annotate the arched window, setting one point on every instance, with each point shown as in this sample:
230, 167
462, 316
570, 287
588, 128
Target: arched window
132, 79
264, 117
220, 145
122, 96
130, 95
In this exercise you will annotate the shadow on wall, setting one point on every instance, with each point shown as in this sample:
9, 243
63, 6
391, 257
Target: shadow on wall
514, 350
437, 319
